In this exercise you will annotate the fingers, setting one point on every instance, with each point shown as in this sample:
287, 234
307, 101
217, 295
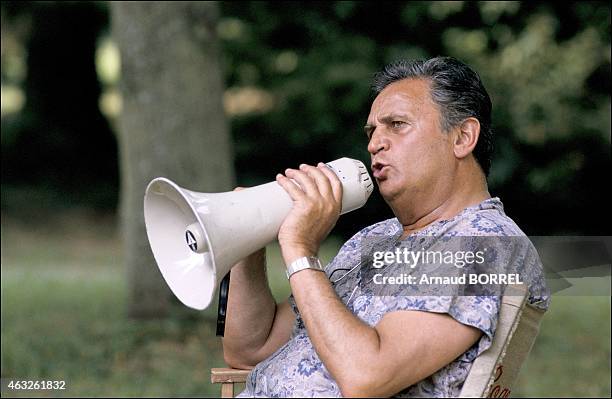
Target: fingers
305, 182
334, 181
291, 188
321, 180
312, 181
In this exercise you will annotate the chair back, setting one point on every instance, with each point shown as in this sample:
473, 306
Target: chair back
494, 372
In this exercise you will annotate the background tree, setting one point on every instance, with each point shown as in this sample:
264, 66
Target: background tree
172, 123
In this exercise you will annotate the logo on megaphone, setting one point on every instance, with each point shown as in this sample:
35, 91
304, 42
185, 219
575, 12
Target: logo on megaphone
197, 237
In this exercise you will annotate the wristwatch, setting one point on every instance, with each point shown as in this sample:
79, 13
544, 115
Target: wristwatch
307, 262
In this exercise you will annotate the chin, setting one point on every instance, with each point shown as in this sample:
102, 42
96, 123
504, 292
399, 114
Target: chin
387, 192
391, 190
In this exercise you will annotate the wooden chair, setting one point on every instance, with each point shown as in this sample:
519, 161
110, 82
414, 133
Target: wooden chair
492, 374
227, 378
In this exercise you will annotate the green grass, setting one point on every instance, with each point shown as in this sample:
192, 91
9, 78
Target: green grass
571, 356
64, 298
64, 301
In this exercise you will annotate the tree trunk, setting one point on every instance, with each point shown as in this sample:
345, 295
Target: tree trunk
172, 123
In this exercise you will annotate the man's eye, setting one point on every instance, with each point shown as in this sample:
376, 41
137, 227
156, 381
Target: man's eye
397, 124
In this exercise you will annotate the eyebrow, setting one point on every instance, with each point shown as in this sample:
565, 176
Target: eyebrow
391, 117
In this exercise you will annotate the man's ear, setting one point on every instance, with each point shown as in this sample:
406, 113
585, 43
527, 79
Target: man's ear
466, 138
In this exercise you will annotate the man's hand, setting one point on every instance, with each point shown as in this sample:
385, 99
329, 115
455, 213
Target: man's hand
317, 203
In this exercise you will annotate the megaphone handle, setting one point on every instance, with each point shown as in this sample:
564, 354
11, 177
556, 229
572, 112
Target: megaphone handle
223, 293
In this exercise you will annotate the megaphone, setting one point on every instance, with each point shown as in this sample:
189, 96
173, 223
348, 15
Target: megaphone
197, 237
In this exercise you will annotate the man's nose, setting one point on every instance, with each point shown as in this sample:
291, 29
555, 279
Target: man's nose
377, 143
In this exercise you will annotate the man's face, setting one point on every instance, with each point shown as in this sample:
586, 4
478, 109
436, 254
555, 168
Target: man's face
411, 156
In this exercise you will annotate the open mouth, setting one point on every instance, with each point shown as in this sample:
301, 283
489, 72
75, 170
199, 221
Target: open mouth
379, 170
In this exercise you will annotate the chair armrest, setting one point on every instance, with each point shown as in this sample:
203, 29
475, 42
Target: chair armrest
225, 375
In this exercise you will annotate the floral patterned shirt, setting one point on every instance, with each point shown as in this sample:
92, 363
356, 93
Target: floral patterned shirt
295, 369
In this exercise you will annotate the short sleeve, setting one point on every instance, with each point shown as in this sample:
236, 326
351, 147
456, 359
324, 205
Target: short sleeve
480, 312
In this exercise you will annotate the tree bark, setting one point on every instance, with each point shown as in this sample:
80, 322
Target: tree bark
172, 122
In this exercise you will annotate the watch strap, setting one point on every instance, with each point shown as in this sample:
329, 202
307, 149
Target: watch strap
307, 262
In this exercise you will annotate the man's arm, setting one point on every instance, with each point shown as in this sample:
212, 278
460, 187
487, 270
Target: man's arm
255, 326
402, 349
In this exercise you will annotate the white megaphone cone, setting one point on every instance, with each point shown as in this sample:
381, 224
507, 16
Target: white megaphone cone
197, 237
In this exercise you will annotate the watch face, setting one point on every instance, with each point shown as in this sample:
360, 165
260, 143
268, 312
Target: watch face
315, 262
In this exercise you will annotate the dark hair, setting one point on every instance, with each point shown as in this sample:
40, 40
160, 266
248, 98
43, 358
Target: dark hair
456, 89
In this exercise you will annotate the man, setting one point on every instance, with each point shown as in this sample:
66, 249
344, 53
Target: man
429, 136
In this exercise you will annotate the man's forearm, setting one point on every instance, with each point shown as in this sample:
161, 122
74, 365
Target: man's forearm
250, 309
346, 345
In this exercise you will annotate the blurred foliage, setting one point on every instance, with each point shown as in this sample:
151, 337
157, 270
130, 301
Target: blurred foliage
59, 143
298, 76
546, 66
